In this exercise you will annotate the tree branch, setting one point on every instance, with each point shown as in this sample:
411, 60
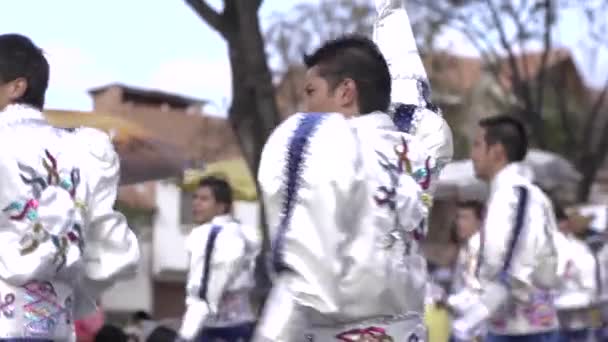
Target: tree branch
518, 83
592, 118
258, 4
547, 42
566, 122
208, 14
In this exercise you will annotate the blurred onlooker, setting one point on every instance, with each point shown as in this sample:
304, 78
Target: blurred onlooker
469, 218
140, 325
87, 327
577, 294
110, 333
162, 334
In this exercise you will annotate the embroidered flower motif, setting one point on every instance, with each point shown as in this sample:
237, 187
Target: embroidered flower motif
27, 210
42, 309
371, 334
7, 305
540, 311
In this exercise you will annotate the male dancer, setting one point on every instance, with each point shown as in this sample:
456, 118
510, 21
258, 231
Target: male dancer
576, 295
223, 253
347, 191
469, 217
518, 264
61, 242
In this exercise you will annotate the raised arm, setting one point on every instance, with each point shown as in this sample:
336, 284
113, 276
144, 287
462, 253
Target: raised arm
393, 35
412, 111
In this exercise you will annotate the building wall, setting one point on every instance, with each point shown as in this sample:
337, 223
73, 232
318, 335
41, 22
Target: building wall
133, 294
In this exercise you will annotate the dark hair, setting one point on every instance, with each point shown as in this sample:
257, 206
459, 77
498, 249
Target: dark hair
476, 206
560, 213
141, 315
509, 132
20, 58
110, 333
222, 192
162, 334
359, 59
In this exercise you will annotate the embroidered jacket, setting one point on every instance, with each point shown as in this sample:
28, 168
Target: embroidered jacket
61, 242
344, 215
465, 270
346, 203
221, 276
518, 266
601, 259
578, 289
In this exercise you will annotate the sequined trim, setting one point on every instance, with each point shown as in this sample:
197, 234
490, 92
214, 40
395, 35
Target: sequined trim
209, 247
294, 165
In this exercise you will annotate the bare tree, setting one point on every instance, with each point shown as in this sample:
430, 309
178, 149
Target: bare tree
253, 112
561, 118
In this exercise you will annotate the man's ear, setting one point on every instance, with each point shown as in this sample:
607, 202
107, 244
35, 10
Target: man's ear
347, 92
17, 88
497, 152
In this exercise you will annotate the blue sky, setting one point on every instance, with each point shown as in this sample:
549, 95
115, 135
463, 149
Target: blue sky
150, 43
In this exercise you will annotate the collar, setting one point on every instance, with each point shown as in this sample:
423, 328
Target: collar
222, 219
513, 172
15, 113
377, 119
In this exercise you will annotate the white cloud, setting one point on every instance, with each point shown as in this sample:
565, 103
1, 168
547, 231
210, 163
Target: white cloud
204, 79
73, 72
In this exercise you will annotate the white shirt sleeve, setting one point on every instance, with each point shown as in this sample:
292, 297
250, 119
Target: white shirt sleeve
112, 251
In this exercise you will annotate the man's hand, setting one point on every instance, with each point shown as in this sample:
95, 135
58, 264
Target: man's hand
193, 320
462, 301
471, 323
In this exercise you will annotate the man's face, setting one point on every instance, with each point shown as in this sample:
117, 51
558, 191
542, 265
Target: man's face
467, 223
481, 156
320, 98
204, 206
564, 225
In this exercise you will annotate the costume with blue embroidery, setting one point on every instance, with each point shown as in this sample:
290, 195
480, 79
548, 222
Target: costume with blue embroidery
346, 203
61, 242
220, 279
577, 293
519, 263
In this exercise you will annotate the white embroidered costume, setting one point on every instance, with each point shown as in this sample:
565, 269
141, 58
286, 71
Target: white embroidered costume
221, 277
346, 203
61, 242
465, 270
578, 289
518, 266
601, 262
